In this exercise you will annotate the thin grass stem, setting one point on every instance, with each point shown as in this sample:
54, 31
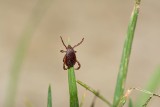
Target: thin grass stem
94, 92
152, 85
129, 91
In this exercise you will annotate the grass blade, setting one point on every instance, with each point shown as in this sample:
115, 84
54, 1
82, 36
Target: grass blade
72, 88
152, 85
119, 91
49, 104
125, 97
94, 101
83, 99
130, 103
32, 24
94, 92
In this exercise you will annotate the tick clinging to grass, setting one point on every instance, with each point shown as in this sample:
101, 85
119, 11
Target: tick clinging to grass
70, 57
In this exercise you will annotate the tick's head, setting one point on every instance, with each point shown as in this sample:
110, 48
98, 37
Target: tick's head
69, 47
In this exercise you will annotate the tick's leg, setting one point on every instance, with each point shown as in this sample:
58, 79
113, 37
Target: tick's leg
78, 43
62, 51
64, 61
63, 42
64, 66
79, 65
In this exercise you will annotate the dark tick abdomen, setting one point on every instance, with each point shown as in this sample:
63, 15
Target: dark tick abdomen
70, 58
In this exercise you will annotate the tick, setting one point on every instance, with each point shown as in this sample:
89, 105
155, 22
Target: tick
70, 57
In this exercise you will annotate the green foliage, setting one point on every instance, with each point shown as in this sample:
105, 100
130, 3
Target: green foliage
122, 75
29, 29
119, 97
72, 88
130, 104
49, 104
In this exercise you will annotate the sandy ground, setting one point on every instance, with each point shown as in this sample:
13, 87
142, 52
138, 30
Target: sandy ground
103, 24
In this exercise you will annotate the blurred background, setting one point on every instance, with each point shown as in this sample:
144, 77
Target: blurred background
36, 26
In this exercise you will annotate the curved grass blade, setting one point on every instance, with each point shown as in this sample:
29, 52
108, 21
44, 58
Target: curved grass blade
72, 88
152, 85
122, 75
33, 22
49, 104
94, 92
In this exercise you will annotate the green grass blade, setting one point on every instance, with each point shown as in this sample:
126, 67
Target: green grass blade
152, 85
49, 104
94, 101
130, 103
122, 75
122, 101
94, 92
83, 99
32, 24
72, 88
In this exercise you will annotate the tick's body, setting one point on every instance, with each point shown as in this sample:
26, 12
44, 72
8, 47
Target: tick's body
70, 57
